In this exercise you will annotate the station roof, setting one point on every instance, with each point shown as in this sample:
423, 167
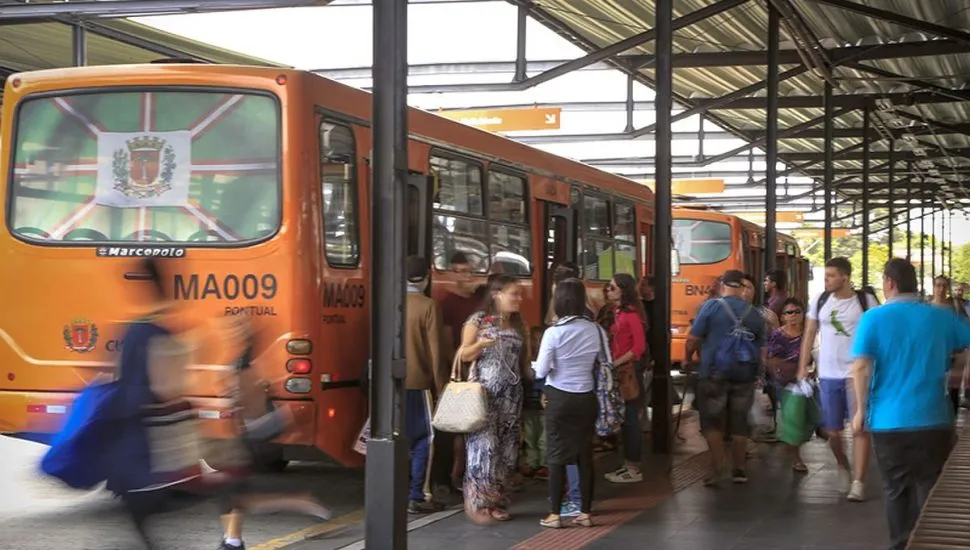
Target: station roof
909, 61
34, 46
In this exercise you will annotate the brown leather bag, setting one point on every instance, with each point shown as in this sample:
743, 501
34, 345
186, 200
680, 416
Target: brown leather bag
626, 375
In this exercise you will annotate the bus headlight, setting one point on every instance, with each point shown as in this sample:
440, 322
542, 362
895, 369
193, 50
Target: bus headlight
298, 385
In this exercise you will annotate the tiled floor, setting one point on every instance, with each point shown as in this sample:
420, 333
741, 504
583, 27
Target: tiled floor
776, 510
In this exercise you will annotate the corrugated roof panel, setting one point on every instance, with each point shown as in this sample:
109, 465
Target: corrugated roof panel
744, 28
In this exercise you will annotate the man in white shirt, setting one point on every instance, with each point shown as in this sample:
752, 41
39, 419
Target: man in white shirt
834, 316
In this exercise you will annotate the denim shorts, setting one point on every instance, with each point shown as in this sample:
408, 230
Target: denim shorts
837, 396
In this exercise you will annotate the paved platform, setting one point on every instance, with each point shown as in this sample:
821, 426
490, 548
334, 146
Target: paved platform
777, 509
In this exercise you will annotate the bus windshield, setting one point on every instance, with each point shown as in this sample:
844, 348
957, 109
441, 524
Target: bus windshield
162, 166
701, 241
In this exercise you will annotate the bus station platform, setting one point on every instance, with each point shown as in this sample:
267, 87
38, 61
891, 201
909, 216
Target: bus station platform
672, 510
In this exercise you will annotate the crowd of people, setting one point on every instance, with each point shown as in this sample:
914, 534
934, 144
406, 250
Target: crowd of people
540, 384
894, 374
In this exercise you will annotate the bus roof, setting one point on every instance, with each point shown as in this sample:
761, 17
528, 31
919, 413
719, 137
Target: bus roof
341, 98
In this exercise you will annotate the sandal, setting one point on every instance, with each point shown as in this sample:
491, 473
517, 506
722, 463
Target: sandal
583, 520
498, 514
551, 522
799, 467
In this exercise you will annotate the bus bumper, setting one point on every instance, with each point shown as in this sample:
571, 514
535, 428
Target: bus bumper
37, 415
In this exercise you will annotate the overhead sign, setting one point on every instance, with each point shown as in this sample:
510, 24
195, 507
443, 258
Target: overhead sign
508, 120
814, 233
691, 186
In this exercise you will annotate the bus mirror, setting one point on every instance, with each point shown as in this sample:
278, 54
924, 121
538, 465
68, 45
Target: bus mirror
674, 262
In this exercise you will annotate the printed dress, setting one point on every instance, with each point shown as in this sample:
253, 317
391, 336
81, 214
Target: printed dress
493, 451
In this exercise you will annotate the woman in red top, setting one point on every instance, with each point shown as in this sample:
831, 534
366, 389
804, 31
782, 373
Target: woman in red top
628, 343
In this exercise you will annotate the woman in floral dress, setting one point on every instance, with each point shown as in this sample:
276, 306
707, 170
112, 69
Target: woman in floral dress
494, 338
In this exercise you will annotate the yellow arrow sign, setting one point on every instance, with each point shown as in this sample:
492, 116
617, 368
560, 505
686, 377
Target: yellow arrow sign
508, 120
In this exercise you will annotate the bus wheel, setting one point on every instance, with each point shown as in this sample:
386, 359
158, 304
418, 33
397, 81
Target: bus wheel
275, 466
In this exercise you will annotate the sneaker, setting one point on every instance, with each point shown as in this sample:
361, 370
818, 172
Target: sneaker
570, 510
625, 476
845, 480
542, 473
528, 471
423, 507
857, 493
739, 476
226, 546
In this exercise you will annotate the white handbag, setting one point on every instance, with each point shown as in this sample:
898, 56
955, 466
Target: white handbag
463, 407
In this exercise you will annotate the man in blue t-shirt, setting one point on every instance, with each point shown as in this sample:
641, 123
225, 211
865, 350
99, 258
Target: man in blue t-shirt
902, 354
722, 403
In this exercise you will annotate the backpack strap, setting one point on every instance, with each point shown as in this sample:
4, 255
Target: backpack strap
863, 299
824, 297
727, 307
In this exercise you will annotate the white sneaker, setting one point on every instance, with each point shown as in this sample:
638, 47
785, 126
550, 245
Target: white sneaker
625, 476
845, 480
858, 492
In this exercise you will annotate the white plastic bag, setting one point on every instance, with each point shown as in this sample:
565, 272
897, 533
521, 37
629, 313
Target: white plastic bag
360, 445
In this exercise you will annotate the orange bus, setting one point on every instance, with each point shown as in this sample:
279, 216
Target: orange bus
254, 185
709, 243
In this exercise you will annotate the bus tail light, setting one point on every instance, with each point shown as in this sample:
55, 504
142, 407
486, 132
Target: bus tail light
298, 385
298, 366
299, 347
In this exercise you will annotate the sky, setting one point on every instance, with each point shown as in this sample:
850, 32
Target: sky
341, 36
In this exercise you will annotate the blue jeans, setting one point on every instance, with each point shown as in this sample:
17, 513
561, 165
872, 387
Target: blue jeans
417, 428
572, 481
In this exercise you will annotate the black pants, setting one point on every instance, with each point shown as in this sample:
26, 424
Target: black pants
442, 459
909, 463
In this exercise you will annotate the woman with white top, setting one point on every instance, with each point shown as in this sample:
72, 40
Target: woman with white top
567, 356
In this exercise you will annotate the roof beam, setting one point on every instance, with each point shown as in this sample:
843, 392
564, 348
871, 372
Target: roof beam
899, 19
844, 101
117, 9
681, 60
957, 95
595, 56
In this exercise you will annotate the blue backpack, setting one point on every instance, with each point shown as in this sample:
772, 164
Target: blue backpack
736, 356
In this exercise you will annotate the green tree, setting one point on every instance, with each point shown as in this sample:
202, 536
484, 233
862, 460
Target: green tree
961, 263
878, 256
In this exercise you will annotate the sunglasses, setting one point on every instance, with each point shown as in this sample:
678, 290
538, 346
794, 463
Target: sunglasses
792, 312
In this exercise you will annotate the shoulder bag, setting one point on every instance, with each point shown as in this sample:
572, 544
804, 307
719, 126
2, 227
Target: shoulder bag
463, 407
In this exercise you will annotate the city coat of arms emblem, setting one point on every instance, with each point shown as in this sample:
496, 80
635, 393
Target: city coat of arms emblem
80, 336
144, 168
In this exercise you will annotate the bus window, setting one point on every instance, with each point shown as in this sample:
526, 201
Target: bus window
701, 241
338, 175
625, 240
459, 223
172, 166
598, 245
511, 243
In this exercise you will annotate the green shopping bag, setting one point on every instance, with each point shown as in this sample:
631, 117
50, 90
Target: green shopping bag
800, 416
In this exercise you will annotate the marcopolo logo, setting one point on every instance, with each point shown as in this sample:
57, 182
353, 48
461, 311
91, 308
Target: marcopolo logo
140, 252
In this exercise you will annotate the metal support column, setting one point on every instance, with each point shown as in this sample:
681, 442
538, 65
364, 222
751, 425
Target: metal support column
771, 141
630, 104
829, 175
892, 186
866, 161
387, 473
662, 436
700, 139
922, 249
521, 61
949, 250
933, 245
79, 44
909, 211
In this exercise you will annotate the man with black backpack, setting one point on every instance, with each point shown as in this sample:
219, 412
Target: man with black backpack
834, 316
730, 335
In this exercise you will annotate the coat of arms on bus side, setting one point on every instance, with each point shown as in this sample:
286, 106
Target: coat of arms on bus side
144, 168
80, 335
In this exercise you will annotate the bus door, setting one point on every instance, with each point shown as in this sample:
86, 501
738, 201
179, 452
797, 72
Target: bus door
418, 199
560, 232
